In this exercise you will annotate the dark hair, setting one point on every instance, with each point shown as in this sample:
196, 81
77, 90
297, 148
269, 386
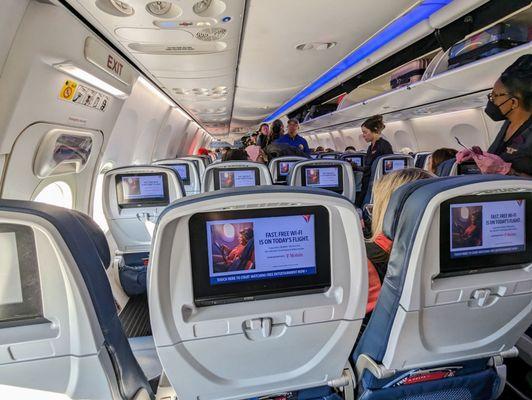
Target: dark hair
235, 155
275, 133
375, 124
441, 155
293, 121
352, 148
517, 79
261, 125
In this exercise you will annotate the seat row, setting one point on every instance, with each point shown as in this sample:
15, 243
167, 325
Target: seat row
235, 320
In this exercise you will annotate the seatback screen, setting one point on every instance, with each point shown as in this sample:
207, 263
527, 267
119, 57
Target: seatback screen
329, 156
391, 165
284, 168
142, 190
485, 233
183, 172
468, 168
355, 160
324, 177
259, 253
226, 178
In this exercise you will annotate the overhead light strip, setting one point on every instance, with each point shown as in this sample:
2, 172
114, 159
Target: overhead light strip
82, 75
418, 14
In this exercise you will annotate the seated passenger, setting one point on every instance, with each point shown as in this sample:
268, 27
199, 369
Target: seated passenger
439, 156
319, 149
407, 151
235, 155
378, 247
202, 151
350, 149
511, 100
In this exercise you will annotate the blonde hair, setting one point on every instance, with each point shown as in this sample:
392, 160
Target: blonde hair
383, 190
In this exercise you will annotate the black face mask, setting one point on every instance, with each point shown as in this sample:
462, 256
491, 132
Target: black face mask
494, 112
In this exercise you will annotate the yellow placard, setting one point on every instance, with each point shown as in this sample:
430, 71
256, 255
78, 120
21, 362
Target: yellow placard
68, 90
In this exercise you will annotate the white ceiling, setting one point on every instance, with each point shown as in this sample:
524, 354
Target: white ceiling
254, 65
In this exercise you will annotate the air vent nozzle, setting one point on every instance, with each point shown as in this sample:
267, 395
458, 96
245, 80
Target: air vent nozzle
211, 34
118, 8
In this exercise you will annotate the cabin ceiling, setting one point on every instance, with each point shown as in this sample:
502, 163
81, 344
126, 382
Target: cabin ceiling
231, 63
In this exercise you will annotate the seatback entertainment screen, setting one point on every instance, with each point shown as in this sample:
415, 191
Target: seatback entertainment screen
284, 168
226, 178
355, 160
325, 177
480, 232
183, 172
250, 254
468, 168
391, 165
142, 190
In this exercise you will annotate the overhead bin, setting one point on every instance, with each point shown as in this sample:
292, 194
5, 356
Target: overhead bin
462, 81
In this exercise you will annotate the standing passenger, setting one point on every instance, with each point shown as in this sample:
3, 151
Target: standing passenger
292, 138
263, 135
371, 131
277, 131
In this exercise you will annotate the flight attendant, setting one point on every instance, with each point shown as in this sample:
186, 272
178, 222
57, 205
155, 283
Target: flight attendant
371, 131
511, 101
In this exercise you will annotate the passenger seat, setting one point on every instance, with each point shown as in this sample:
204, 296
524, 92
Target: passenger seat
448, 312
76, 344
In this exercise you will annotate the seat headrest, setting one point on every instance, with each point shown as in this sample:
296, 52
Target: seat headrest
434, 186
61, 217
229, 174
88, 246
444, 169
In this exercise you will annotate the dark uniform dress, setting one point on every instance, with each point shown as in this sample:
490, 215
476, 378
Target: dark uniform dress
381, 148
518, 149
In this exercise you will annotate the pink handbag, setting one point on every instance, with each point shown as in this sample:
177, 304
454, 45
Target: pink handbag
486, 162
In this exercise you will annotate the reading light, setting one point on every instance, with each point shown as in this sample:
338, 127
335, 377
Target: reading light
82, 75
385, 36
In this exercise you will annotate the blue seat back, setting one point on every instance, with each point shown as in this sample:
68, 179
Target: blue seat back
408, 330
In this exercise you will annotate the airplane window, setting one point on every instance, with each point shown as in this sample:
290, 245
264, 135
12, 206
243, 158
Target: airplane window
56, 193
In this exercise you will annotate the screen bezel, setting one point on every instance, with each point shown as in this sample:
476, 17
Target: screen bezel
284, 178
329, 156
489, 262
360, 157
404, 160
336, 189
205, 294
135, 203
466, 164
216, 172
187, 166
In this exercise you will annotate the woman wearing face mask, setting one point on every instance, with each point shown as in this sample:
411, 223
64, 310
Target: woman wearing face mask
511, 100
